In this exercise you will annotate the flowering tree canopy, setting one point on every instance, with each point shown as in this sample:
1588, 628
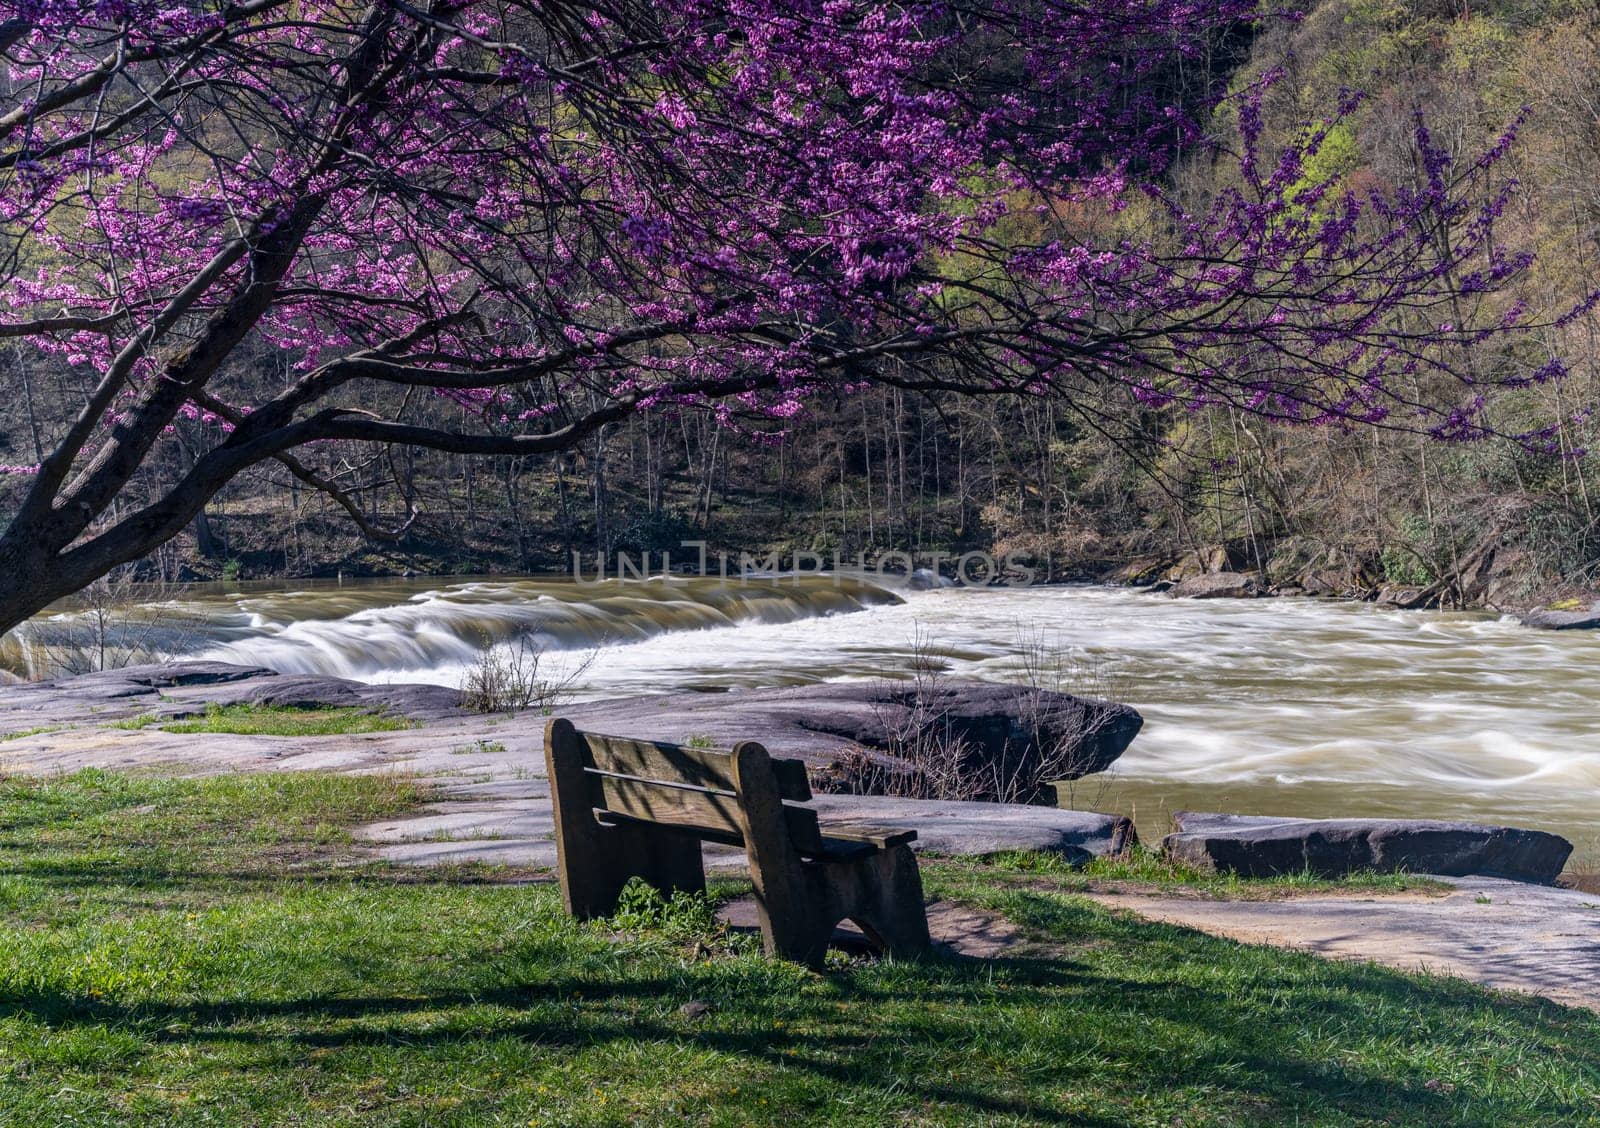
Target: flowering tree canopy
556, 214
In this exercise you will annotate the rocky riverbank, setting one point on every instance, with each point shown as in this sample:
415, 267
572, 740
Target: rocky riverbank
491, 805
892, 752
1490, 577
488, 769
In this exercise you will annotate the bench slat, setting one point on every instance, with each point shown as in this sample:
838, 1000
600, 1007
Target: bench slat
659, 802
698, 767
882, 837
704, 833
842, 850
802, 828
711, 812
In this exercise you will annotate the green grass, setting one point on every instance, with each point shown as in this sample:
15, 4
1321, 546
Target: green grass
1147, 870
272, 720
192, 952
38, 730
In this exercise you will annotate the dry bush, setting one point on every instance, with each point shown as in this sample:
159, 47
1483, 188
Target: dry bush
509, 677
927, 755
1048, 666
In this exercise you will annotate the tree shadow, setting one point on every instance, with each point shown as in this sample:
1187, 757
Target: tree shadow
1153, 1030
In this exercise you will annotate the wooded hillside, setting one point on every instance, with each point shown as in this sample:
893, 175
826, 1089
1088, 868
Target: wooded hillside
1090, 488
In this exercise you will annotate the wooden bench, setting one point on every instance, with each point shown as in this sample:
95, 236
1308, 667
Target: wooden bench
633, 808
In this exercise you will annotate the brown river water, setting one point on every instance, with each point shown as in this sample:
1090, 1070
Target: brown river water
1279, 706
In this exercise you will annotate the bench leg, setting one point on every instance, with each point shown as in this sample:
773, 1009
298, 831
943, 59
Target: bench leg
887, 903
882, 894
802, 937
800, 903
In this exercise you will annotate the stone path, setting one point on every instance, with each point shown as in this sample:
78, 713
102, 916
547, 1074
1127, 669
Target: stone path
1502, 934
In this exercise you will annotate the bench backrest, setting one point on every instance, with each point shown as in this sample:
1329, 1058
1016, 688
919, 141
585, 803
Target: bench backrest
697, 789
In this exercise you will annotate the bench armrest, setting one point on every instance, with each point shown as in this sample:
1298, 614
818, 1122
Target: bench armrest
882, 837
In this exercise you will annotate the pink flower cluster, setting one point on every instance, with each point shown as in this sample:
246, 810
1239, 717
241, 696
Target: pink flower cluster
745, 201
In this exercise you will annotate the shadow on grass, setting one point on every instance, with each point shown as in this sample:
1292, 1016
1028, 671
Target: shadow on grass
1229, 1050
1120, 1014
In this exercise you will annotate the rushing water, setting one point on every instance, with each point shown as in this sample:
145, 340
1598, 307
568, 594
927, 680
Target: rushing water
1269, 706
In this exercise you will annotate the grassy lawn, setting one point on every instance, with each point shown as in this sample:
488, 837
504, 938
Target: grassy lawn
272, 720
1147, 871
195, 953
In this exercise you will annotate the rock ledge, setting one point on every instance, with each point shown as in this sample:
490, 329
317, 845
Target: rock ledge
1262, 846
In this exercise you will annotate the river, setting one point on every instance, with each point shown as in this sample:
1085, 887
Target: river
1275, 706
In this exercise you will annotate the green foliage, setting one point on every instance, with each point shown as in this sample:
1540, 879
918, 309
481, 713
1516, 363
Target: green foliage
1335, 158
1409, 562
683, 918
38, 730
1401, 565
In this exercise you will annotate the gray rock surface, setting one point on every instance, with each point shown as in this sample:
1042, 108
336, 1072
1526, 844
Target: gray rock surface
1260, 846
1217, 585
142, 681
817, 722
1503, 934
1547, 620
979, 829
1406, 596
301, 691
179, 688
813, 722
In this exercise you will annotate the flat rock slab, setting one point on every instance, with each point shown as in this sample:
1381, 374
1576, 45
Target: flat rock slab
979, 829
1502, 934
179, 688
485, 825
1262, 846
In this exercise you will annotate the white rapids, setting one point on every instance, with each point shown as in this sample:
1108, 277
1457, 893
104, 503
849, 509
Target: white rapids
1263, 706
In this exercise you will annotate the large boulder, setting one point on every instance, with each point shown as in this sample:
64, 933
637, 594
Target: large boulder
1548, 619
314, 691
1217, 585
823, 724
1263, 846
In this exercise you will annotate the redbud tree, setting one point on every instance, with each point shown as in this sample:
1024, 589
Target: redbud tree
559, 213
